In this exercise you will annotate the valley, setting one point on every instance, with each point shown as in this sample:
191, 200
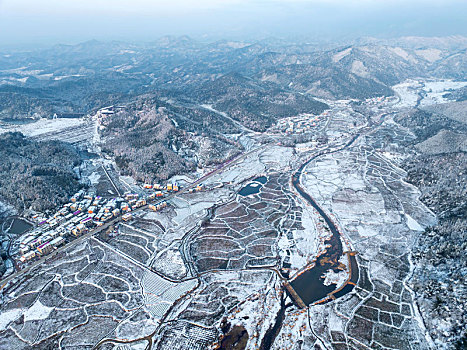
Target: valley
309, 212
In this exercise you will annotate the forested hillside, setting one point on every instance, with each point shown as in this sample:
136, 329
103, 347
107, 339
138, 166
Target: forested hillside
153, 141
439, 171
36, 175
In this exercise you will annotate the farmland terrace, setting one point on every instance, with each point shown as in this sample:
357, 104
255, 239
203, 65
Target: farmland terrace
241, 262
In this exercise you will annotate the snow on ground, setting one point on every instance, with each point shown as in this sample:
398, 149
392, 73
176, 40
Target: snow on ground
322, 188
60, 77
358, 68
294, 325
160, 294
23, 71
170, 262
129, 183
161, 216
435, 90
413, 224
247, 142
181, 180
182, 210
429, 92
258, 311
340, 55
431, 55
306, 242
135, 330
276, 158
43, 126
407, 92
341, 183
402, 53
269, 159
185, 207
6, 210
226, 116
337, 278
443, 85
37, 312
94, 178
210, 108
9, 316
379, 271
363, 189
239, 172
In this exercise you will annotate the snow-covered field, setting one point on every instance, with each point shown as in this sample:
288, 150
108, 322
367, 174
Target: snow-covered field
435, 91
408, 93
160, 294
427, 93
107, 293
43, 126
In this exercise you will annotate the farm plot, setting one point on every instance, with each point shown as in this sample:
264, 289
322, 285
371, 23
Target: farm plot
185, 335
169, 262
74, 300
134, 242
149, 225
220, 292
243, 232
160, 294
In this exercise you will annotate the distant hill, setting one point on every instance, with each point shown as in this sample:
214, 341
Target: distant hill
255, 104
425, 124
274, 78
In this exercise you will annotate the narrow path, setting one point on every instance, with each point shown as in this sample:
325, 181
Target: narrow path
111, 181
224, 115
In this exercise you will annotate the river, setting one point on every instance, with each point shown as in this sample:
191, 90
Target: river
309, 285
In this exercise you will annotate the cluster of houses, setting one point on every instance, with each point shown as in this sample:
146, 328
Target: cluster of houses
198, 188
379, 100
170, 187
159, 188
157, 207
86, 211
300, 123
83, 212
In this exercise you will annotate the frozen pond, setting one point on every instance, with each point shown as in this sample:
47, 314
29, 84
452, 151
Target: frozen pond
16, 226
253, 187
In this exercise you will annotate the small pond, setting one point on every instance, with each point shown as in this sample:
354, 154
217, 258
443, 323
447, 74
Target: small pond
254, 186
19, 226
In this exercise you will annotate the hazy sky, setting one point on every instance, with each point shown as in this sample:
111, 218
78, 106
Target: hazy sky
39, 22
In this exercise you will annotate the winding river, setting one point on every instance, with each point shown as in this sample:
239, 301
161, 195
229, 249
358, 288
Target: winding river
309, 285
